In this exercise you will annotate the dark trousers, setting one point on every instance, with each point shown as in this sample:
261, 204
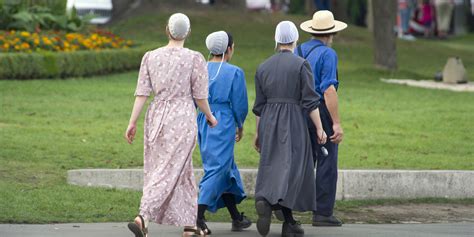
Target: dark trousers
326, 166
322, 4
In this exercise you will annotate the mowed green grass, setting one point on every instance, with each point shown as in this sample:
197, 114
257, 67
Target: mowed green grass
50, 126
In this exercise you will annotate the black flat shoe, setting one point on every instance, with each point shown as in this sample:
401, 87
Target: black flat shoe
191, 232
264, 212
319, 220
243, 223
201, 224
292, 230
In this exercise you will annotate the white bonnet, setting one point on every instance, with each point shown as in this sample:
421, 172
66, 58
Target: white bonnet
286, 32
217, 42
179, 26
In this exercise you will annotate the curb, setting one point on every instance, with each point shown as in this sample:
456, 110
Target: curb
352, 184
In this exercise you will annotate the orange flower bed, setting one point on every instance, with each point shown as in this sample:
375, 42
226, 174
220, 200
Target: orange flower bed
22, 41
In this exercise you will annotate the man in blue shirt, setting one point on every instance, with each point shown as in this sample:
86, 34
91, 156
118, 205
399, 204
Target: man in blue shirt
323, 60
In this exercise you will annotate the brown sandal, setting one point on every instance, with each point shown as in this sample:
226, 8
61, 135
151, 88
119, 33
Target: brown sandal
139, 231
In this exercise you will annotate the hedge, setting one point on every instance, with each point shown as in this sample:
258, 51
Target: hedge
69, 64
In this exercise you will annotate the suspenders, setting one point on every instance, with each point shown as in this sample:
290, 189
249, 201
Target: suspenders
300, 53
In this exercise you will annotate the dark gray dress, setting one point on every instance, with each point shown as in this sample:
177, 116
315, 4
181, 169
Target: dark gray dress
284, 89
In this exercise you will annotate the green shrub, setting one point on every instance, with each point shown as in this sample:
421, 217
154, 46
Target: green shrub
68, 64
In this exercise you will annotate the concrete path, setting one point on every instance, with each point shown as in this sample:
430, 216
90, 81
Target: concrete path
222, 229
429, 84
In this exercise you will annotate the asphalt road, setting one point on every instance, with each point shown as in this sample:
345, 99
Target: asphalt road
223, 229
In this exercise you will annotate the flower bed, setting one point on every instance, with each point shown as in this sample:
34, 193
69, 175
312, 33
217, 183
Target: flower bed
23, 41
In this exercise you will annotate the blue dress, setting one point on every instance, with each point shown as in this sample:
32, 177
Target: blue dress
229, 104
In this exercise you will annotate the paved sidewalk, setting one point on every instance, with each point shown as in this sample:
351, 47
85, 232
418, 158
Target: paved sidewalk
222, 229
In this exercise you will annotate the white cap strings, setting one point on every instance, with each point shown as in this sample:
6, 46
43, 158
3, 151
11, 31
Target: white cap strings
217, 44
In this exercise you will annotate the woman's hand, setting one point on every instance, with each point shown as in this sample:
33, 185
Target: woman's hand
256, 143
211, 121
322, 137
130, 133
239, 134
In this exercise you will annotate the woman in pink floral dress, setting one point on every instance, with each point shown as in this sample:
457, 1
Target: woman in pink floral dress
177, 77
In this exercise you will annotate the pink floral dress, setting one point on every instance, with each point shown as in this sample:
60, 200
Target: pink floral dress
175, 76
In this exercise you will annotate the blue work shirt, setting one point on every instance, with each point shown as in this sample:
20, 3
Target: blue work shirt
323, 61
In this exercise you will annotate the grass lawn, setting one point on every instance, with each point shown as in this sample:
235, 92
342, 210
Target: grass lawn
50, 126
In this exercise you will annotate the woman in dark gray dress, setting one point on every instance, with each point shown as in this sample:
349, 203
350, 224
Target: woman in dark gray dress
284, 92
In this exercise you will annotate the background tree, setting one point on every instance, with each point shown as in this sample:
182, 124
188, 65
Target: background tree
384, 18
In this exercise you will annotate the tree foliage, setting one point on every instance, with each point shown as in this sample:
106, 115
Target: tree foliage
23, 15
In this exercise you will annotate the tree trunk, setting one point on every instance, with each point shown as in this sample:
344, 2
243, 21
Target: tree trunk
385, 50
309, 6
370, 16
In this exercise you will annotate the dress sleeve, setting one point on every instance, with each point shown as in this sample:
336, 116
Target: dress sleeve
199, 78
329, 70
309, 97
144, 87
238, 98
260, 98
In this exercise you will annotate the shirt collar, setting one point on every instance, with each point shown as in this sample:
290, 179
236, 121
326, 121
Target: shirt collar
316, 41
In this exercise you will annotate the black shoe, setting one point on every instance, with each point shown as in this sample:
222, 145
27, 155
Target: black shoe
319, 220
279, 215
292, 230
201, 224
243, 223
264, 212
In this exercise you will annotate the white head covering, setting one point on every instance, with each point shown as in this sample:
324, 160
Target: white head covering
286, 32
217, 42
179, 26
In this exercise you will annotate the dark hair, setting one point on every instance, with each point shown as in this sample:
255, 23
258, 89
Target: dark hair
323, 35
231, 42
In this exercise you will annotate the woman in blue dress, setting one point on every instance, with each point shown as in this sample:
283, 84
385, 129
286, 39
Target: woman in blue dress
221, 185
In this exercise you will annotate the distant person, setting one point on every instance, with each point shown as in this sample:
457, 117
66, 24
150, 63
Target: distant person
472, 7
176, 76
323, 60
444, 12
284, 92
405, 12
280, 5
221, 185
322, 4
423, 19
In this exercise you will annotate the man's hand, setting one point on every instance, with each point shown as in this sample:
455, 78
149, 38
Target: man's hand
338, 133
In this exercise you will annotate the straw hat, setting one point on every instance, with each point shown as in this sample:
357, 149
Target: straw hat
323, 23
